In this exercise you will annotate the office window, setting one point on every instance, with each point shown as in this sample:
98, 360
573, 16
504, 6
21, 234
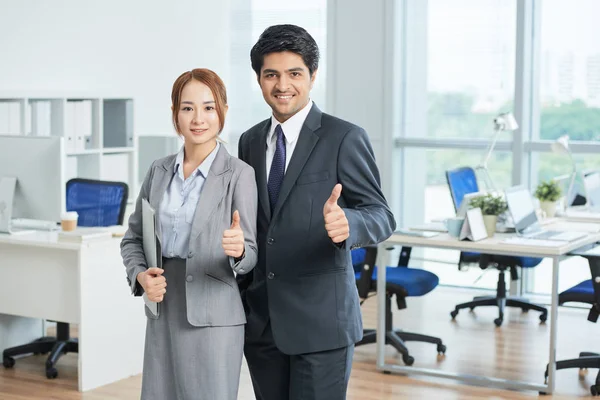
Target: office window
249, 19
471, 62
570, 70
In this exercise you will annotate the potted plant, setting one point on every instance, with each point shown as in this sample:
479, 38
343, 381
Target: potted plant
548, 193
491, 206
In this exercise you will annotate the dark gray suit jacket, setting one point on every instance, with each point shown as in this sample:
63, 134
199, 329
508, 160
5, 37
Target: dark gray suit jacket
303, 283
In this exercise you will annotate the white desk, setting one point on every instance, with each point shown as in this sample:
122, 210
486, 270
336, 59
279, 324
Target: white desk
84, 284
488, 246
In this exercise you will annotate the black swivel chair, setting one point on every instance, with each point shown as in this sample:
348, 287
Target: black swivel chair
401, 282
98, 203
462, 181
585, 292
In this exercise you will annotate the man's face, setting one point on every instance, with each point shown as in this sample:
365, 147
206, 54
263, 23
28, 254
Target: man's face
285, 82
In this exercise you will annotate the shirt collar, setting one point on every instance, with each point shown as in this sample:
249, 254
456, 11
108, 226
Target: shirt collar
204, 167
292, 127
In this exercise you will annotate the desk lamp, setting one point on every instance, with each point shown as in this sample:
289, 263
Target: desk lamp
503, 122
561, 146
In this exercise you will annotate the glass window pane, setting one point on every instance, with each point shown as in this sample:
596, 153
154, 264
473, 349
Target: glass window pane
570, 69
550, 165
471, 62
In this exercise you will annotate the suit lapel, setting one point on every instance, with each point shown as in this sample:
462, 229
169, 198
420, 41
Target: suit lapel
162, 177
213, 191
259, 146
306, 142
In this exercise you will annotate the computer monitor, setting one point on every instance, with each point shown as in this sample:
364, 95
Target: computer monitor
591, 183
38, 165
520, 205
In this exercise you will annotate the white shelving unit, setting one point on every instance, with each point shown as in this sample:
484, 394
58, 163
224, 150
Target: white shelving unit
99, 136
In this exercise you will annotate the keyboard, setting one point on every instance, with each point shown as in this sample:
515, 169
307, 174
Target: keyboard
566, 236
36, 224
544, 235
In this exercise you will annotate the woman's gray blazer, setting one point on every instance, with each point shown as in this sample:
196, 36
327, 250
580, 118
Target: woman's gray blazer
212, 293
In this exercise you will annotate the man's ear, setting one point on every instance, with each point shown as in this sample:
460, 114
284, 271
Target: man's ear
313, 77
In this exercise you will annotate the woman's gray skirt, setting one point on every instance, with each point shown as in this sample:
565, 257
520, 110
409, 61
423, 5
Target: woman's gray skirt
184, 362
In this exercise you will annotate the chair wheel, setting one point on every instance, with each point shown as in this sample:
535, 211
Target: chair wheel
387, 372
441, 349
408, 360
594, 390
8, 362
453, 314
498, 321
525, 310
51, 373
471, 308
543, 317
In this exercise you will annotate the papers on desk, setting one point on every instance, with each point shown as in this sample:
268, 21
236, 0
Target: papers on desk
83, 235
151, 246
418, 233
433, 226
521, 241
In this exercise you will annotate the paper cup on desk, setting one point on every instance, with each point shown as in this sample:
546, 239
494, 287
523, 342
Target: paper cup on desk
68, 221
454, 226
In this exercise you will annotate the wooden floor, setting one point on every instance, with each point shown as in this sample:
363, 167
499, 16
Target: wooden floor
517, 350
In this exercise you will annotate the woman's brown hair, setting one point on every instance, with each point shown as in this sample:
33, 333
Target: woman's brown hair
210, 79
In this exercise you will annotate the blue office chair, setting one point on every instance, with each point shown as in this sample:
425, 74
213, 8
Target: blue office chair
462, 181
98, 203
402, 282
585, 292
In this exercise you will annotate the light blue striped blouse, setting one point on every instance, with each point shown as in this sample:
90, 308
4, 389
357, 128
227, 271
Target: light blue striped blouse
179, 205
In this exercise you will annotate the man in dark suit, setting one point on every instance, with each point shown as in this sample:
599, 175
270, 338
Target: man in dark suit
320, 197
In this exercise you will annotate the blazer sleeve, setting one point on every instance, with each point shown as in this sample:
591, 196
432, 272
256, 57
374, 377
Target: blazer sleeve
132, 249
370, 219
245, 200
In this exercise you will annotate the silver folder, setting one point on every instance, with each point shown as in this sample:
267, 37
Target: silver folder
152, 249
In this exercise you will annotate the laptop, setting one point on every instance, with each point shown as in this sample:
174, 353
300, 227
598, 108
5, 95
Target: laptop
520, 205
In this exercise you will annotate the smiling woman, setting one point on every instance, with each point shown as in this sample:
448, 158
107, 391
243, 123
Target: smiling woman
205, 202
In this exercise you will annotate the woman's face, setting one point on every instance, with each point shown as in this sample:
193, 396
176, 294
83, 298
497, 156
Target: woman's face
197, 116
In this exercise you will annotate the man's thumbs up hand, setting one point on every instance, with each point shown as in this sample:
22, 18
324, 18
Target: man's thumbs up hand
336, 223
233, 238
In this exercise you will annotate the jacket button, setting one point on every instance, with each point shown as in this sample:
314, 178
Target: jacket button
271, 275
190, 254
270, 240
189, 278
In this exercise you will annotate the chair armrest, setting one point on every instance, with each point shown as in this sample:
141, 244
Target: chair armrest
365, 282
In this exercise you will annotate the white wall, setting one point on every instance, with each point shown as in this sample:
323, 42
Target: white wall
127, 47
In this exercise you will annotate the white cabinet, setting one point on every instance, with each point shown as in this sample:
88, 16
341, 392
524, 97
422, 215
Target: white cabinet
100, 140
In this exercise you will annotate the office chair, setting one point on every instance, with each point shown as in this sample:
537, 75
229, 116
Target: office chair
585, 292
402, 282
98, 203
462, 181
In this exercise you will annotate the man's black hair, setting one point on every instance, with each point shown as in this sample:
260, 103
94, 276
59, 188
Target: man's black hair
278, 38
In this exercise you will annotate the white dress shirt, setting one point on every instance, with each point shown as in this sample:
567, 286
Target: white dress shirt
179, 203
291, 130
